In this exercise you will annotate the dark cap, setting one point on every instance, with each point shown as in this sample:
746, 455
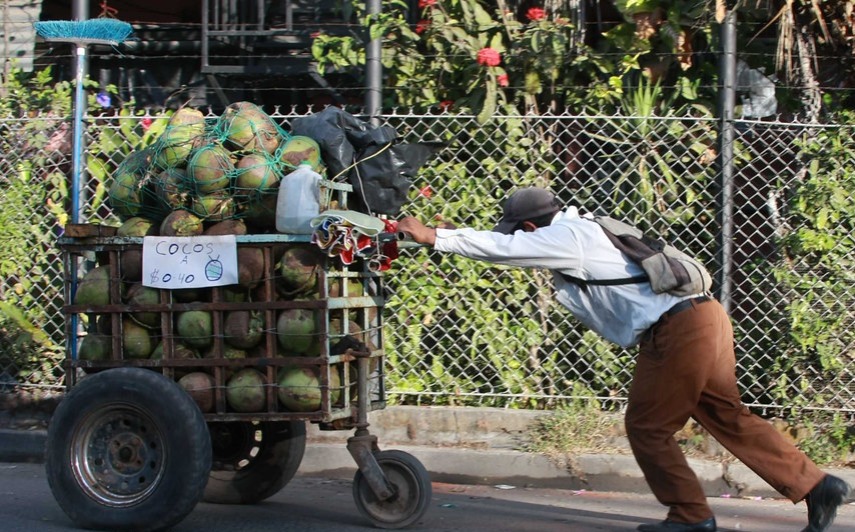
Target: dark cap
526, 204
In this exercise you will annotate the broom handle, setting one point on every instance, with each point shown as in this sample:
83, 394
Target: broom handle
76, 181
77, 147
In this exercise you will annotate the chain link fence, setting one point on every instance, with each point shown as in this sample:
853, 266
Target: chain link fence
523, 350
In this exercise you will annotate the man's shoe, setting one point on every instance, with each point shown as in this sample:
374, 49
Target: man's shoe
667, 525
822, 502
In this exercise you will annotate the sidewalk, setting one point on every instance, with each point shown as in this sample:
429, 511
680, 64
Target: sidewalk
476, 446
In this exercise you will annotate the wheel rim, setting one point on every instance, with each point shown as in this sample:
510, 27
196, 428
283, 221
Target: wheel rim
402, 504
234, 445
117, 456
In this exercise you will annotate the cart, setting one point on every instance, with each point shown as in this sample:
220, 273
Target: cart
131, 447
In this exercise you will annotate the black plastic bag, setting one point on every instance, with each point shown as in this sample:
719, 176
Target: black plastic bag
381, 177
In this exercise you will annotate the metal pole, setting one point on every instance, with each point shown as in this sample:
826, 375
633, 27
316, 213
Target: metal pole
80, 12
373, 68
726, 140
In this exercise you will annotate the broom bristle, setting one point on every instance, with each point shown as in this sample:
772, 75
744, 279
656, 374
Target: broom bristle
98, 30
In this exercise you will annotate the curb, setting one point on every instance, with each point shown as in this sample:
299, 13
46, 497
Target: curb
459, 445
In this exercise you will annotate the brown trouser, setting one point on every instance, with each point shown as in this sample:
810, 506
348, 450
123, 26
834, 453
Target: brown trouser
686, 368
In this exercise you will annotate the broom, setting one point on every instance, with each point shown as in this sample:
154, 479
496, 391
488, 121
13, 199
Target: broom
80, 33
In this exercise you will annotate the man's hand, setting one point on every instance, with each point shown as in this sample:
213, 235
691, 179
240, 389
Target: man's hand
418, 231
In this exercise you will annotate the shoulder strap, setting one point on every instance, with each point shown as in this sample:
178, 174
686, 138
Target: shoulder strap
609, 226
583, 283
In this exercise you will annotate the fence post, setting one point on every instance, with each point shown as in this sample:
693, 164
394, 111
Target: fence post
727, 99
373, 67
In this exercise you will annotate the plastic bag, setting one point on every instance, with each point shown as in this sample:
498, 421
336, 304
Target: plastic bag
381, 178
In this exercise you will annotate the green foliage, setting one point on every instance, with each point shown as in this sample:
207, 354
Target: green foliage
829, 440
813, 274
576, 427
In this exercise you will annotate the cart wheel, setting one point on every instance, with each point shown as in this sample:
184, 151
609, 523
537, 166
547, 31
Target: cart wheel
253, 461
412, 487
127, 449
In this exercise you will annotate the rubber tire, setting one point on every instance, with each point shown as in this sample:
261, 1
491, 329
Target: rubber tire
238, 477
127, 449
413, 491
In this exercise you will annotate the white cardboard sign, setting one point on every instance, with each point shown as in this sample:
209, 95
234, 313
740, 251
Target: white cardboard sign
173, 262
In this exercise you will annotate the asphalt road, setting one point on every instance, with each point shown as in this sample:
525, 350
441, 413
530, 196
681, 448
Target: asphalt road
314, 504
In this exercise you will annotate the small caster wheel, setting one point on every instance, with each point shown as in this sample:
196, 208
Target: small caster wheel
412, 488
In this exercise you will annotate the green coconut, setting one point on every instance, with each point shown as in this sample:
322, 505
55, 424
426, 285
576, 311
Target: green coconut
298, 268
245, 391
210, 168
296, 330
137, 295
226, 351
195, 327
136, 227
250, 266
200, 386
299, 388
248, 128
256, 173
260, 212
171, 188
179, 352
214, 207
136, 340
300, 149
125, 192
94, 288
243, 329
181, 223
95, 347
184, 132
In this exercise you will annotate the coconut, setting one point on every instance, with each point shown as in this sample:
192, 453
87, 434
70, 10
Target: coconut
226, 351
137, 226
250, 266
247, 127
185, 131
226, 227
210, 168
138, 294
256, 173
260, 213
95, 347
131, 265
299, 388
245, 391
296, 330
214, 207
125, 192
195, 327
181, 223
171, 188
200, 386
298, 270
243, 329
136, 340
94, 288
300, 149
179, 352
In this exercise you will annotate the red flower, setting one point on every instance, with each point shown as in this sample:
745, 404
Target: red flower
426, 191
489, 57
146, 123
426, 3
535, 13
502, 79
316, 34
446, 105
422, 25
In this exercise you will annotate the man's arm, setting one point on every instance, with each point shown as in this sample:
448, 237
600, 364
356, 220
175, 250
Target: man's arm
418, 231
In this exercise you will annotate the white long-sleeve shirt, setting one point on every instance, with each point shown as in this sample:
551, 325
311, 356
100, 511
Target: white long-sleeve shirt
580, 248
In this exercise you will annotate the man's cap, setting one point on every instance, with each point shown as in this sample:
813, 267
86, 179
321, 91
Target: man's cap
526, 204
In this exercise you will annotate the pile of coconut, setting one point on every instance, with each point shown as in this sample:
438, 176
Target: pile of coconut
214, 179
